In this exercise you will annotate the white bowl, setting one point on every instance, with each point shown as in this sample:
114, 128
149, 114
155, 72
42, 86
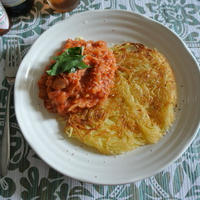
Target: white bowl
44, 133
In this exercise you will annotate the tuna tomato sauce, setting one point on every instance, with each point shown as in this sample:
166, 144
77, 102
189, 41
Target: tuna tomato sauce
71, 92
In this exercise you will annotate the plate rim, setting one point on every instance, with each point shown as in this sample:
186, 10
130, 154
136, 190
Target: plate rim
131, 180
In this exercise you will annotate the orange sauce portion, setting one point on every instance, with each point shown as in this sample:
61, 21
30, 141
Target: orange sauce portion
72, 92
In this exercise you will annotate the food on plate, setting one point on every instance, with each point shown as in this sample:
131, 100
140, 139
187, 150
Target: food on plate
138, 107
80, 76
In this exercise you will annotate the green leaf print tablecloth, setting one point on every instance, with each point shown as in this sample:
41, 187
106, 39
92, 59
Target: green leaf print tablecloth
30, 178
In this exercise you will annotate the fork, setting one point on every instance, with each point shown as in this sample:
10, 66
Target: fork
13, 58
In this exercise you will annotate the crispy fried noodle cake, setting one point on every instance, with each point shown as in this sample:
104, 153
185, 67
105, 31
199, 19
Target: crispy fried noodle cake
139, 108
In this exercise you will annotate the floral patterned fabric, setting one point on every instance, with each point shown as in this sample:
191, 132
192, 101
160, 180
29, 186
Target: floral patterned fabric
30, 178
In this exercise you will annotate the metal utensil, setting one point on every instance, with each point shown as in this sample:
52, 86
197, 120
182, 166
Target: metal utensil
13, 58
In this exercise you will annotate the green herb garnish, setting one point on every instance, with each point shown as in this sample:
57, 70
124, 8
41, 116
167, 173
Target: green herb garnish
69, 61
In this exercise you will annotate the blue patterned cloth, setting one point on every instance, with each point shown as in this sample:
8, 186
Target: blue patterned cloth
30, 178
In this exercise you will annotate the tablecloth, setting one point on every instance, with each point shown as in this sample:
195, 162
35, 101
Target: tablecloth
30, 178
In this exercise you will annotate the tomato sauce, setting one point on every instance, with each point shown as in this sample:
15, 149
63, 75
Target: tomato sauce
71, 92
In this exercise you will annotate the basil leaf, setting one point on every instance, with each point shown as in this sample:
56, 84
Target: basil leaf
74, 51
82, 65
69, 61
53, 69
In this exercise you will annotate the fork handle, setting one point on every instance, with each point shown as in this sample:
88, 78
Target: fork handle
5, 147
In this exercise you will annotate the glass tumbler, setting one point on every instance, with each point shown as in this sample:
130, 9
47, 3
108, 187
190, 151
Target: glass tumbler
63, 5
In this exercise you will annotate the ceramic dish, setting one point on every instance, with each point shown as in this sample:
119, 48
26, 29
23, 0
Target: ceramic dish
44, 133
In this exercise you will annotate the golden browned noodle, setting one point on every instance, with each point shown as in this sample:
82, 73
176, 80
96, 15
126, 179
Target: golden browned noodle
139, 109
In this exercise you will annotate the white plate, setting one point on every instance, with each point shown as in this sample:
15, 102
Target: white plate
44, 133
